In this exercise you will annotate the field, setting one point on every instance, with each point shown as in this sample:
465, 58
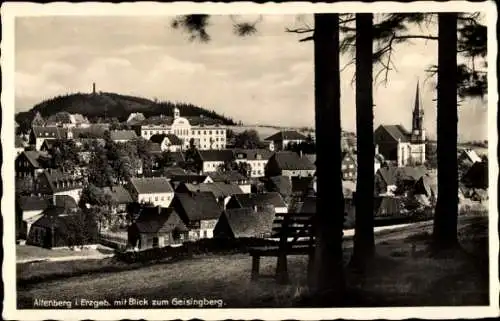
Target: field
263, 131
415, 278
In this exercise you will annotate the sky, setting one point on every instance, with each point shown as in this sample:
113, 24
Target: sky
265, 79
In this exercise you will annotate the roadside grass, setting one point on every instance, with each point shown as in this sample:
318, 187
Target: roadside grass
402, 274
30, 252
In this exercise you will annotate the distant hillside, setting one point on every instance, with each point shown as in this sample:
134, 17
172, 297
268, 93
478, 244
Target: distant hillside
114, 105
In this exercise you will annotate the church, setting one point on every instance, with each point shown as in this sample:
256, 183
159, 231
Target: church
400, 146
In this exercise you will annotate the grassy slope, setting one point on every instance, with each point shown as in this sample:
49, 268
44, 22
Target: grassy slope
415, 279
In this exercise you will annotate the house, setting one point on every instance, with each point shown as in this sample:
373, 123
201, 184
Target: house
391, 179
426, 185
349, 166
258, 200
476, 176
37, 120
168, 142
221, 191
175, 180
232, 177
60, 227
212, 159
281, 140
397, 144
135, 118
28, 210
120, 196
199, 211
256, 158
173, 171
479, 195
91, 131
154, 190
41, 133
349, 189
245, 223
289, 164
467, 157
157, 227
67, 120
30, 163
55, 182
122, 136
19, 145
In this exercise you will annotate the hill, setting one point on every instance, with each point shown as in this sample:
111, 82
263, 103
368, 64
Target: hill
112, 105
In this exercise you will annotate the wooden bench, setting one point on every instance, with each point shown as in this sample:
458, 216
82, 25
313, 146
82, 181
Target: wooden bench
295, 235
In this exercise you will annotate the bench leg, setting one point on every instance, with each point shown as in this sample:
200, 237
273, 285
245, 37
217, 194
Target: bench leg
255, 267
282, 269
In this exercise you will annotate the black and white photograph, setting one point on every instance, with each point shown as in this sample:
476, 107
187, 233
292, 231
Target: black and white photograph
249, 161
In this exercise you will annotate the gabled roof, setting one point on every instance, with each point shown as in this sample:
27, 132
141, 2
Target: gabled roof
281, 184
427, 185
292, 161
59, 181
477, 176
311, 158
65, 201
33, 156
173, 139
135, 117
246, 222
33, 203
151, 185
286, 135
471, 155
218, 189
197, 205
392, 174
216, 155
122, 135
172, 171
260, 199
119, 194
302, 184
159, 220
228, 176
252, 154
397, 132
50, 132
186, 178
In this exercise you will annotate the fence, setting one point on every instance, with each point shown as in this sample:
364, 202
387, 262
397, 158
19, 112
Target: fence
115, 241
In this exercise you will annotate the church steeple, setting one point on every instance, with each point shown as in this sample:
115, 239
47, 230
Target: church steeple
418, 132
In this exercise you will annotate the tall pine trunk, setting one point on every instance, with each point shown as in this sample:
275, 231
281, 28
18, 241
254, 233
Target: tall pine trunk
364, 243
328, 283
445, 219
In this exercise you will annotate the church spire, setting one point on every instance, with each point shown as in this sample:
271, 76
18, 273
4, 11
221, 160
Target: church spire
418, 132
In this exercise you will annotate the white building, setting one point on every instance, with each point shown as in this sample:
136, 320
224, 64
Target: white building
256, 158
155, 190
204, 136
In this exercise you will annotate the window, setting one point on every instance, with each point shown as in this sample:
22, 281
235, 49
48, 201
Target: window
204, 132
162, 198
156, 198
210, 132
351, 166
155, 242
205, 234
344, 166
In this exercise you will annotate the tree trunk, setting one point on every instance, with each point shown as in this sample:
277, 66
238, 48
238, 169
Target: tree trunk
364, 243
328, 284
445, 219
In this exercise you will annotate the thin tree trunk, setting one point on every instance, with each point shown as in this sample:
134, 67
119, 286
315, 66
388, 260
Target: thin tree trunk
364, 242
445, 219
328, 283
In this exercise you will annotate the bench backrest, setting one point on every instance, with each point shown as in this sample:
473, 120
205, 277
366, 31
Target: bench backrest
294, 230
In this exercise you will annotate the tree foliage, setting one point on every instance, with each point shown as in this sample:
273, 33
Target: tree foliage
248, 139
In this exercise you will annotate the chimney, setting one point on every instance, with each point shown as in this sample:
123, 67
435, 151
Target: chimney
93, 88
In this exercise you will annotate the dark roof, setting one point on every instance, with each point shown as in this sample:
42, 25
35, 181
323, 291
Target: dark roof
246, 222
427, 185
186, 178
281, 184
216, 155
49, 132
476, 176
286, 135
122, 135
311, 158
292, 161
59, 181
218, 189
150, 185
33, 203
260, 199
33, 156
391, 174
158, 220
119, 194
97, 130
397, 132
228, 176
193, 120
158, 138
198, 205
252, 154
172, 171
